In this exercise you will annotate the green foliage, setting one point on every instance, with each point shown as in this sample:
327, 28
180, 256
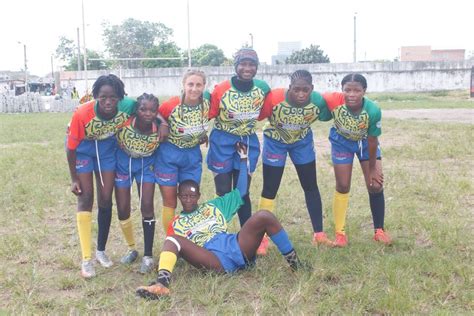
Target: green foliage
310, 55
67, 53
207, 55
163, 50
133, 38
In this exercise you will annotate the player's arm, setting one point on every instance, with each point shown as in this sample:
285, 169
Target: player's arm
163, 128
242, 181
373, 132
71, 161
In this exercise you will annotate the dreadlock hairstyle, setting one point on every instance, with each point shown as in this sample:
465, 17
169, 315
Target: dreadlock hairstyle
147, 97
303, 75
355, 78
109, 80
189, 73
245, 54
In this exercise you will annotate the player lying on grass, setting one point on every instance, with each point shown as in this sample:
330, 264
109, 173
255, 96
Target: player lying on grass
199, 234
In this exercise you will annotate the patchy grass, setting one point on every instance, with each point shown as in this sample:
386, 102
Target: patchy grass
424, 100
429, 269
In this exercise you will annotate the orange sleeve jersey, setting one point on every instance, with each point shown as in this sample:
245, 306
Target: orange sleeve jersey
236, 112
188, 124
87, 124
287, 123
354, 126
136, 144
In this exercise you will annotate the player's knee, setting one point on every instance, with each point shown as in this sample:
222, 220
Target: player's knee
147, 211
264, 216
343, 188
85, 201
374, 188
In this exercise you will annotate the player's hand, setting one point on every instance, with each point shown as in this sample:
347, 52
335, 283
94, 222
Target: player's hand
241, 150
376, 177
76, 187
204, 140
163, 132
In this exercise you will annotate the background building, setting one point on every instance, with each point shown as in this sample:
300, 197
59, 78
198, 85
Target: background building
425, 53
285, 49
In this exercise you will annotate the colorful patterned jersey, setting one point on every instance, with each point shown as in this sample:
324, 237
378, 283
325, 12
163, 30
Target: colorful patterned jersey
187, 123
354, 126
208, 220
136, 144
87, 124
237, 112
289, 124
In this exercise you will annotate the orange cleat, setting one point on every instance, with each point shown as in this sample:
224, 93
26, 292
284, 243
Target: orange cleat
321, 238
153, 292
262, 249
341, 240
382, 236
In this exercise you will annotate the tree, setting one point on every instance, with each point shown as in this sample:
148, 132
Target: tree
310, 55
163, 50
207, 55
133, 38
67, 53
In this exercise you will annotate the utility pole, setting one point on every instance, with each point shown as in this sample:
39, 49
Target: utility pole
85, 49
189, 38
355, 37
78, 51
251, 40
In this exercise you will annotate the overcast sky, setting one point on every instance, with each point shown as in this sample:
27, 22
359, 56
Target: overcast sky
382, 26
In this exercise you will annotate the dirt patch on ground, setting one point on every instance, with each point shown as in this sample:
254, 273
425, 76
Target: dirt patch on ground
465, 116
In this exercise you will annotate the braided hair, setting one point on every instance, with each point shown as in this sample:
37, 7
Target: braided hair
109, 80
147, 97
303, 75
355, 78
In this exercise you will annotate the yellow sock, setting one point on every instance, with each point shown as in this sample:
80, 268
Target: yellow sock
339, 209
167, 261
127, 230
266, 204
167, 214
84, 227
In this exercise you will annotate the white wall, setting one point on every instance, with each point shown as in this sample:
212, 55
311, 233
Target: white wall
381, 77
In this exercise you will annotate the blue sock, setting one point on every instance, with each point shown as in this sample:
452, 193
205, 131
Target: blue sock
282, 241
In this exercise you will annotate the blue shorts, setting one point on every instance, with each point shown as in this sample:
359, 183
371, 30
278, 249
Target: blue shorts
227, 249
343, 149
222, 156
174, 164
140, 167
86, 155
275, 152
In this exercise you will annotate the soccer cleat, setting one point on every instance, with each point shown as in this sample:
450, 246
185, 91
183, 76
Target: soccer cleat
320, 238
102, 258
147, 265
262, 249
87, 269
154, 291
382, 236
129, 257
341, 240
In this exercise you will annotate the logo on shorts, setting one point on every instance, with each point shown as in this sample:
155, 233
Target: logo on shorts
81, 163
121, 177
273, 157
219, 165
165, 177
342, 156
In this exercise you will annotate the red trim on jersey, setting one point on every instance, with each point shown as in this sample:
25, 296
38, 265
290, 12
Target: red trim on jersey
167, 107
334, 99
170, 230
76, 131
275, 97
216, 97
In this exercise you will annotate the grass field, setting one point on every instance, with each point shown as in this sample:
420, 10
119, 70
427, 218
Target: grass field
429, 194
